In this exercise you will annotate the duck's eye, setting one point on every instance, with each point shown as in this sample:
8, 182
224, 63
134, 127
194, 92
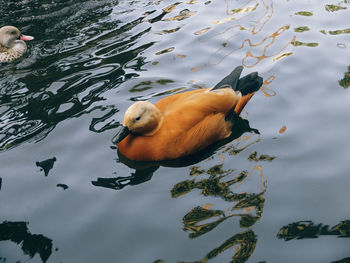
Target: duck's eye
13, 32
138, 118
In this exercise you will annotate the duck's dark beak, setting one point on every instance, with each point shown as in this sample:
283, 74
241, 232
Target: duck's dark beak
121, 135
26, 38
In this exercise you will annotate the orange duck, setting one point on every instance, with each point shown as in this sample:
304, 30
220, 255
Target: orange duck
185, 123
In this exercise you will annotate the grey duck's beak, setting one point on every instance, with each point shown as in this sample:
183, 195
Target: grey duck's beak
121, 135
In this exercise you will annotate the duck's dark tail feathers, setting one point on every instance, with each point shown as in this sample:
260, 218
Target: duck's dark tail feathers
232, 79
250, 83
247, 85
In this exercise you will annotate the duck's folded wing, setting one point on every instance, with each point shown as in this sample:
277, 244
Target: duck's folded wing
203, 102
189, 140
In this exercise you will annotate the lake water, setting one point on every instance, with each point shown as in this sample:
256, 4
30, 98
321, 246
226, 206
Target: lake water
278, 196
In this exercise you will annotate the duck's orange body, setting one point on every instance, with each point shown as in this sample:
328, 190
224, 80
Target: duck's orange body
188, 122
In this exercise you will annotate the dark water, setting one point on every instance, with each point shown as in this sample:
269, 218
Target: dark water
281, 196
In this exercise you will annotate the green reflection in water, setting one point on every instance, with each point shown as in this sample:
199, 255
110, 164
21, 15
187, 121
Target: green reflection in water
198, 214
244, 10
184, 14
211, 186
338, 32
304, 13
169, 31
301, 29
333, 8
201, 220
145, 85
345, 82
167, 50
263, 157
308, 229
195, 170
298, 44
246, 242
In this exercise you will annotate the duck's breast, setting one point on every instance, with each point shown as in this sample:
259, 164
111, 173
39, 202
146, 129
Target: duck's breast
11, 54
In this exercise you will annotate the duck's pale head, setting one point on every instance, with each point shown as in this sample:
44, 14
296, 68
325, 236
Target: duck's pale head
12, 45
141, 118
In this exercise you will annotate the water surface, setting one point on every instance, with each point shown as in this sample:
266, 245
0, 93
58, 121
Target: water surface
278, 196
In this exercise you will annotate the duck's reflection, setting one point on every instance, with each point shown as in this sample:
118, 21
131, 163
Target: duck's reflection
31, 244
118, 183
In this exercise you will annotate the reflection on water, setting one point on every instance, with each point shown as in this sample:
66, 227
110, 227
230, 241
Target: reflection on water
63, 186
344, 260
31, 244
333, 8
262, 157
245, 243
301, 29
145, 85
308, 229
304, 13
345, 82
310, 44
46, 165
248, 207
118, 183
71, 75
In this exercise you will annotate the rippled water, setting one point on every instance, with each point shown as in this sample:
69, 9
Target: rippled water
281, 196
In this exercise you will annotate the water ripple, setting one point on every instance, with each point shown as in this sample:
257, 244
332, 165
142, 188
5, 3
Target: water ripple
72, 63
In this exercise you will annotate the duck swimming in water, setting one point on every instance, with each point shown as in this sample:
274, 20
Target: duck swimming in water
185, 123
12, 45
